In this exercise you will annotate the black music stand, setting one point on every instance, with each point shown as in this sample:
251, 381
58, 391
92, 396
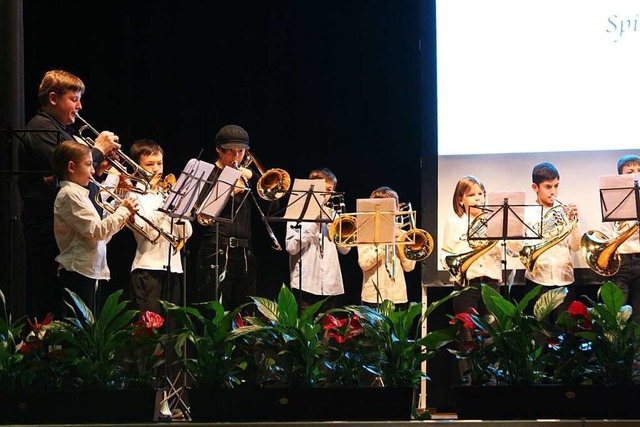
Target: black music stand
306, 204
200, 188
620, 198
505, 221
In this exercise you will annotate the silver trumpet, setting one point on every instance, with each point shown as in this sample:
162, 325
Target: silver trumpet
176, 242
138, 175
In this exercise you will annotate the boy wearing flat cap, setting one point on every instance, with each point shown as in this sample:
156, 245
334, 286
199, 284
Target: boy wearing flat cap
236, 262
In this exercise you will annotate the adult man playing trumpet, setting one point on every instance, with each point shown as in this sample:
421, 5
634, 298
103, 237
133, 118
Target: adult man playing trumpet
59, 95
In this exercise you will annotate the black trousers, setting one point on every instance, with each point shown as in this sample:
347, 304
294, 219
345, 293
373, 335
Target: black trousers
237, 272
88, 289
628, 280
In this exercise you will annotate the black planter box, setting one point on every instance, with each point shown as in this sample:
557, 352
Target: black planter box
301, 404
547, 402
77, 406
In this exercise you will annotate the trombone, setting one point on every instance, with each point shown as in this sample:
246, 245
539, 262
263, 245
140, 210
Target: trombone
145, 178
176, 242
273, 184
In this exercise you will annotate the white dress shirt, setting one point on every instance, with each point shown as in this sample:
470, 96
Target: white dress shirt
616, 228
81, 234
321, 273
554, 267
455, 242
155, 256
377, 283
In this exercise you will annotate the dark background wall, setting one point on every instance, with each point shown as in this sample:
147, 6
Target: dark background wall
345, 84
334, 84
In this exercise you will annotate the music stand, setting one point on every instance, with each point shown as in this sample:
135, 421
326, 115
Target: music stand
504, 221
201, 188
620, 197
306, 204
189, 185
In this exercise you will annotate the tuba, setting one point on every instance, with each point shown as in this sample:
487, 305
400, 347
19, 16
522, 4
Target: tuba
600, 252
556, 224
145, 178
458, 264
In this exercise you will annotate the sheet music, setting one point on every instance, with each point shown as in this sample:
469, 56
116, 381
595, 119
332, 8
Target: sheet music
375, 221
298, 200
617, 197
514, 215
219, 195
184, 194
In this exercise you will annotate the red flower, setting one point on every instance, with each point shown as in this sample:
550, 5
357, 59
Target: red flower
336, 327
152, 320
239, 321
578, 309
37, 326
331, 322
147, 323
465, 319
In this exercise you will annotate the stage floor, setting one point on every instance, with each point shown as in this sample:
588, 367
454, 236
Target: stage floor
448, 420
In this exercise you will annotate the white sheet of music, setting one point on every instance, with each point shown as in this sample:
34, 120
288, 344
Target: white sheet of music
514, 214
300, 194
617, 197
221, 191
375, 221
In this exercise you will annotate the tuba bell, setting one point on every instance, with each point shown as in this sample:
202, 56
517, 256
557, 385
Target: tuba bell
600, 252
556, 225
458, 264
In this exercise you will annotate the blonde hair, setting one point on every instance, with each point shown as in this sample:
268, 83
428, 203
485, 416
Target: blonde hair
465, 183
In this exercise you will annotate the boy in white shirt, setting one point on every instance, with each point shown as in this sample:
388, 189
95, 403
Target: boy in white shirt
553, 267
321, 275
154, 274
81, 234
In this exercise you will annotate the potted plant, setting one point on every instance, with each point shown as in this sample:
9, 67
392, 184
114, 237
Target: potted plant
535, 368
82, 358
293, 366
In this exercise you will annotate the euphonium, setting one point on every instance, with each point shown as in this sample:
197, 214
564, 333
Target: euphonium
600, 252
458, 264
175, 241
139, 174
556, 225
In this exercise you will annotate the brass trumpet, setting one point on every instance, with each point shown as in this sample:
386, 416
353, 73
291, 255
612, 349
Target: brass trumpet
600, 252
176, 242
145, 178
